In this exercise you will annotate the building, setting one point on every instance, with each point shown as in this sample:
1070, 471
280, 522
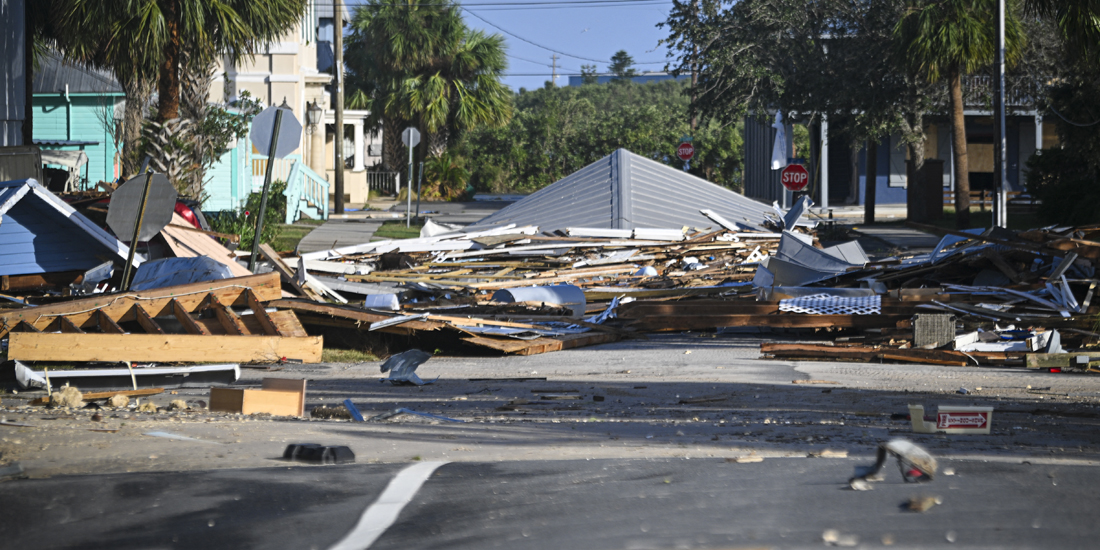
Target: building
640, 78
294, 70
842, 175
13, 76
79, 109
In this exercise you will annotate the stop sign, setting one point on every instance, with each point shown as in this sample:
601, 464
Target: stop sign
685, 151
795, 177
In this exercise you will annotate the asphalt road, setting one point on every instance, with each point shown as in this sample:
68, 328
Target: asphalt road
577, 504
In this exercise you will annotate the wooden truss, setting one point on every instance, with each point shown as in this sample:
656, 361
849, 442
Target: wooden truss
186, 323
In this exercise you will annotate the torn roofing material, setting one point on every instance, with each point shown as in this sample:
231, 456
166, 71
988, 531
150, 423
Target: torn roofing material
627, 191
40, 233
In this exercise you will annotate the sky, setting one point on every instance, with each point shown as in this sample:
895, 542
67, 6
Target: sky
572, 28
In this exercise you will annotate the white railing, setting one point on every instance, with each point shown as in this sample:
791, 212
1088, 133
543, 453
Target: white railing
281, 170
305, 188
386, 183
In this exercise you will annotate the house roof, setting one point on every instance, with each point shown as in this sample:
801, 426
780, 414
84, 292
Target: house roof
627, 191
54, 73
40, 233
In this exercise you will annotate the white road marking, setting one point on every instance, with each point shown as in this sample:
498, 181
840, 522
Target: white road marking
383, 512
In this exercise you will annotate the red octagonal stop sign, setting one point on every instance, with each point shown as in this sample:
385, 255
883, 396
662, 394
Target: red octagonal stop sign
795, 177
685, 151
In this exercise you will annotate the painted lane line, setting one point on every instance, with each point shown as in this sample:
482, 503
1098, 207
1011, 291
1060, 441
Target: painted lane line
380, 515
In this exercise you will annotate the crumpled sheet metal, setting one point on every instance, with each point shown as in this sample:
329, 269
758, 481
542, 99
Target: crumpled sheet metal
402, 367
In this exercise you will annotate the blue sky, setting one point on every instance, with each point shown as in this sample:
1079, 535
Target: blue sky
594, 32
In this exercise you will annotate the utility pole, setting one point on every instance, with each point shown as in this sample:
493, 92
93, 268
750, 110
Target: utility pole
694, 67
338, 100
554, 66
1000, 204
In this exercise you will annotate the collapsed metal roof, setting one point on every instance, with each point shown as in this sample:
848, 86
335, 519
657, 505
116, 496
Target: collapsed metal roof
627, 191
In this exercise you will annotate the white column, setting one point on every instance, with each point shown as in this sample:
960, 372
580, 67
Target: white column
824, 162
1038, 132
358, 167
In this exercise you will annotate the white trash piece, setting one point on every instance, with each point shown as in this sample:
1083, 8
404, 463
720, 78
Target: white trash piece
951, 419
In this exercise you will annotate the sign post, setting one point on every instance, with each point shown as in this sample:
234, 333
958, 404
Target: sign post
141, 206
266, 128
410, 137
794, 177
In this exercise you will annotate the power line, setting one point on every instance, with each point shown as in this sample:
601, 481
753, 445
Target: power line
514, 35
493, 4
632, 4
537, 62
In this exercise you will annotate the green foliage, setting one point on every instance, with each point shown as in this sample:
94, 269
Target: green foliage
224, 125
557, 131
243, 221
588, 74
445, 176
622, 65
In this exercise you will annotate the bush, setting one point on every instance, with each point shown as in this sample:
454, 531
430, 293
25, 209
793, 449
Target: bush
243, 221
1068, 188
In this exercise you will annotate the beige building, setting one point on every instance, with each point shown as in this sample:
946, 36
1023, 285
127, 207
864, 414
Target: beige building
288, 71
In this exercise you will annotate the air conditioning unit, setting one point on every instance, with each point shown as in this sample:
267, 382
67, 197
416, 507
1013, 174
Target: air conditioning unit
374, 150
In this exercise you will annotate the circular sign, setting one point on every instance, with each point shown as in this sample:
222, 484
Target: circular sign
122, 213
795, 177
685, 151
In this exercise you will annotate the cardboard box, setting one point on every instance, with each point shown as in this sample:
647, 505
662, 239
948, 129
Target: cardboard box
278, 397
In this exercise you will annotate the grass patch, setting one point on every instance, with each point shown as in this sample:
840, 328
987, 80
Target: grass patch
397, 230
331, 355
290, 236
308, 221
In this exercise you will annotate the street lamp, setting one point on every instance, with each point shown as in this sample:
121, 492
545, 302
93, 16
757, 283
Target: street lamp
313, 115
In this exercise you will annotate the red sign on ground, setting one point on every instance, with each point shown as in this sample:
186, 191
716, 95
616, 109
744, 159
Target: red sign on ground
795, 177
962, 420
685, 151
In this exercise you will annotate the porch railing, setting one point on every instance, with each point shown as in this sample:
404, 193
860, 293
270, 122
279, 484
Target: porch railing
386, 183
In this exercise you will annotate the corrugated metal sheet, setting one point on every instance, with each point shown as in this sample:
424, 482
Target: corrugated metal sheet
54, 73
13, 77
626, 191
39, 233
761, 182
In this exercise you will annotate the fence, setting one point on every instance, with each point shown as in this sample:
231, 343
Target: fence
386, 183
1017, 200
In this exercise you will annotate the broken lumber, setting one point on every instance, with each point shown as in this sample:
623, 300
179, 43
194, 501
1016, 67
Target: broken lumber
190, 348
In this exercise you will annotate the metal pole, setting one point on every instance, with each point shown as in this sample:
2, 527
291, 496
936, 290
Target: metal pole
137, 231
1000, 217
338, 101
267, 188
419, 178
408, 198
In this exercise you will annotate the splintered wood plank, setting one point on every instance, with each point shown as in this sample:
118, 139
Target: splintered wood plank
351, 317
146, 321
698, 322
287, 273
542, 345
261, 314
190, 348
186, 320
106, 324
228, 319
119, 307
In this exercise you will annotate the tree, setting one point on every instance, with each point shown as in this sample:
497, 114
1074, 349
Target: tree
622, 65
1079, 21
138, 34
417, 63
944, 39
588, 74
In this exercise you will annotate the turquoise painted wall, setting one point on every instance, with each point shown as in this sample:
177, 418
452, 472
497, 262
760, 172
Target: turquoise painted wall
76, 120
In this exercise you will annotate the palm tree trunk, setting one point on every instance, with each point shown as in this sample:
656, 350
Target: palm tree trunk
168, 87
137, 91
958, 141
871, 181
392, 148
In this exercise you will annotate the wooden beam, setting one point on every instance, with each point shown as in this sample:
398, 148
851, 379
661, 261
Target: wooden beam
68, 327
286, 273
229, 320
40, 281
185, 319
260, 312
93, 396
146, 321
120, 306
353, 317
189, 348
795, 320
106, 324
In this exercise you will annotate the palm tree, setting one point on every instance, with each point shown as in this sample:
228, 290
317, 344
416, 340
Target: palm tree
137, 34
945, 39
1079, 21
415, 63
